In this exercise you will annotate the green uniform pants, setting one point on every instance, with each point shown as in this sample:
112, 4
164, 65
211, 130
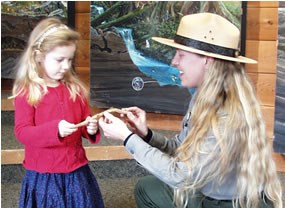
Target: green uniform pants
150, 192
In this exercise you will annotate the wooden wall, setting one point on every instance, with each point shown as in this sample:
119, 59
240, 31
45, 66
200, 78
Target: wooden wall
262, 34
261, 42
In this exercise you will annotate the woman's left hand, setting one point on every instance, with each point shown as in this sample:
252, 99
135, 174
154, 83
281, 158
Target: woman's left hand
92, 126
113, 127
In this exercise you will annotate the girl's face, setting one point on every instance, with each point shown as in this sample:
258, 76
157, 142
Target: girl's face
192, 67
57, 62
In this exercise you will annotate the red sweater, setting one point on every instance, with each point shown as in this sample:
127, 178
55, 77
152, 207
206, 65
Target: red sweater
36, 127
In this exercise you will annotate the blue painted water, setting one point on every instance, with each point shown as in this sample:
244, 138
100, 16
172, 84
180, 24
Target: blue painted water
163, 73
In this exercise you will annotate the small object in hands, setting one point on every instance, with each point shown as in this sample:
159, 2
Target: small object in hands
99, 115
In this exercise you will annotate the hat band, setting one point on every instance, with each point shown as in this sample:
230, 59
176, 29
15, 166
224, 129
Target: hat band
208, 47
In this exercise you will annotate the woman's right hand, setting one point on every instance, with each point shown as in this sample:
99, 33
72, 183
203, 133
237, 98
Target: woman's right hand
137, 120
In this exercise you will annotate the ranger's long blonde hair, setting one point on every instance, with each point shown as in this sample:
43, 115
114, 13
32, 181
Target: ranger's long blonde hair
241, 138
48, 34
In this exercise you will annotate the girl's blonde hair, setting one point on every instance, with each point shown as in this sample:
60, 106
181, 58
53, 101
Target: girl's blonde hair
48, 34
240, 139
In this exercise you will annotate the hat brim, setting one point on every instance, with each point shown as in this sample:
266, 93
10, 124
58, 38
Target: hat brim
171, 43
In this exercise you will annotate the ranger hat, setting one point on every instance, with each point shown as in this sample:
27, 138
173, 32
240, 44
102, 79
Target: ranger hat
207, 34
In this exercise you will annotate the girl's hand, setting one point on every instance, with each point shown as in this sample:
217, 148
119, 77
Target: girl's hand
113, 127
92, 126
65, 128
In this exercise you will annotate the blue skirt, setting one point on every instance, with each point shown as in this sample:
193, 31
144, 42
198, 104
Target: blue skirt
78, 189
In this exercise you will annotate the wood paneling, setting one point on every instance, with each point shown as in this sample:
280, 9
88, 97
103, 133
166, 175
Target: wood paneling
265, 53
265, 87
83, 73
82, 25
82, 7
82, 58
262, 4
262, 24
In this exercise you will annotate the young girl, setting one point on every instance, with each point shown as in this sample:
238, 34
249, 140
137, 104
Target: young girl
222, 157
49, 101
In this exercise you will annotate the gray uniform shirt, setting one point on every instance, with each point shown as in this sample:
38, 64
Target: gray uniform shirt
157, 157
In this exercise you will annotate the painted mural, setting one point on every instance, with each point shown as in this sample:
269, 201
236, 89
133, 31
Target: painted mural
127, 67
279, 124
